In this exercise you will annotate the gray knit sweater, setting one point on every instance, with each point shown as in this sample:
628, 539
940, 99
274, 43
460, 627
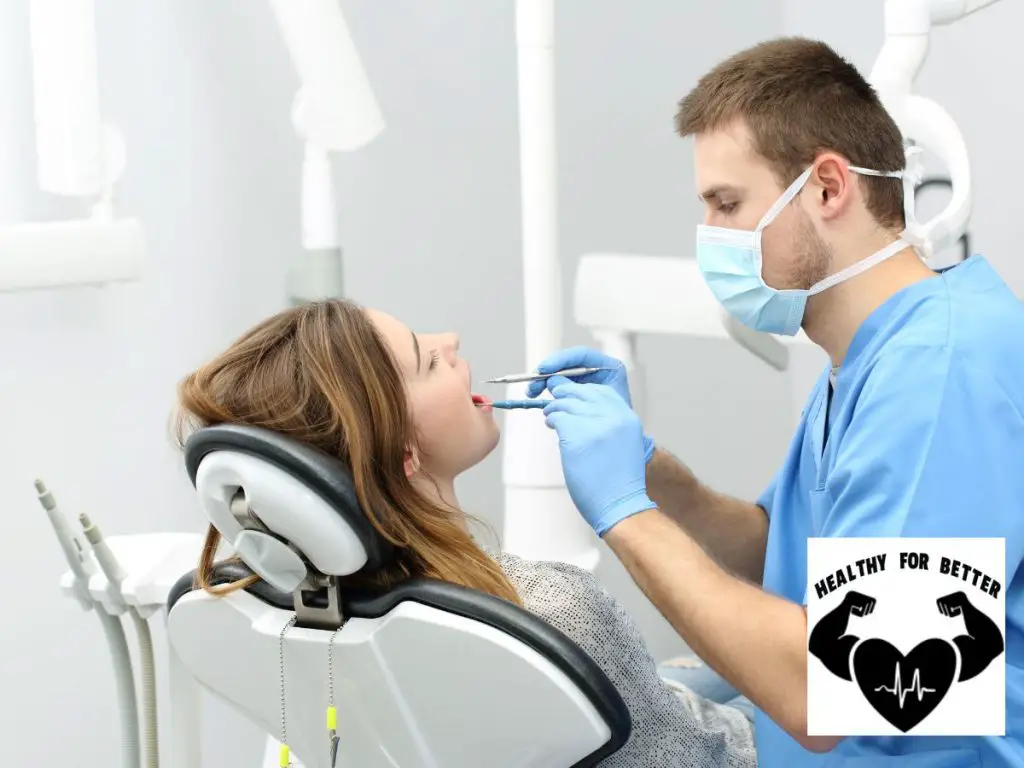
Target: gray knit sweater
671, 725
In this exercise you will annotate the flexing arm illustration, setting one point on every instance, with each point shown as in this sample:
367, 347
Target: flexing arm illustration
829, 641
983, 641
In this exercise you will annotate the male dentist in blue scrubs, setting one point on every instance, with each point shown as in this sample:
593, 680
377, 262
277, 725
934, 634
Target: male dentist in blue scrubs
915, 430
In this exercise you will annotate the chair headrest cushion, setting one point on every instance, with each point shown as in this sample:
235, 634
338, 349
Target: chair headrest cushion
325, 475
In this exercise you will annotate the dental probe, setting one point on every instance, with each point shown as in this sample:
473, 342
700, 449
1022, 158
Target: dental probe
515, 378
510, 404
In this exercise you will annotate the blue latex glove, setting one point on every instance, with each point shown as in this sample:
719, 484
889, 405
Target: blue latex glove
601, 443
584, 357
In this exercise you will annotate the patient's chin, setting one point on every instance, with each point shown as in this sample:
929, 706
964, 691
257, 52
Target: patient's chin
493, 438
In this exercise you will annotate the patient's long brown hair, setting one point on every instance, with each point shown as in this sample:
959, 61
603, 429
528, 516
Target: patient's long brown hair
322, 374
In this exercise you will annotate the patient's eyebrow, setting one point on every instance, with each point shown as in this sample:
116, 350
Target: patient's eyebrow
416, 346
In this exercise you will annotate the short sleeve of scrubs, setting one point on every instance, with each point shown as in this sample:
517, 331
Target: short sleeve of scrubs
767, 497
929, 452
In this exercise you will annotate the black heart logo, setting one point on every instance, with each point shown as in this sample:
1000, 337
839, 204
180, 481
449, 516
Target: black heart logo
904, 689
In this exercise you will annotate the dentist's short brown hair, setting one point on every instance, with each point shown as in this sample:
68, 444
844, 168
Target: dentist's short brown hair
798, 98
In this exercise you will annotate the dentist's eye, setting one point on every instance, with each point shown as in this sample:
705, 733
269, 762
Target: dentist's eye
434, 356
727, 207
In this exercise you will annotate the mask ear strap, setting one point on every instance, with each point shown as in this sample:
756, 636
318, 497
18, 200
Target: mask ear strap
785, 199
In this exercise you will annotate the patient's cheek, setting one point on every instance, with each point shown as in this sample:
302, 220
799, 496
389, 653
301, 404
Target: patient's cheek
435, 419
452, 431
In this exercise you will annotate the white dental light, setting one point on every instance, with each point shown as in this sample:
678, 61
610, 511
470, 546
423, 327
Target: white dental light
334, 110
79, 156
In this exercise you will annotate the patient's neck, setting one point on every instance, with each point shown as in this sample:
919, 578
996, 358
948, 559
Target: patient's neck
442, 490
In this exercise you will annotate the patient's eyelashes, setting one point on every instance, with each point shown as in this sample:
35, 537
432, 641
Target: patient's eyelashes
434, 355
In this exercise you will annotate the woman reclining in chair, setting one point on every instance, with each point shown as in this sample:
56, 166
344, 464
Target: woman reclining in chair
396, 407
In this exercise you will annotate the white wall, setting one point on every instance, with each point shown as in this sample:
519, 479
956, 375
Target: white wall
429, 215
201, 92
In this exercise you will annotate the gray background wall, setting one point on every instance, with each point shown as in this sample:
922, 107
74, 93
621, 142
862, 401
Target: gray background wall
430, 218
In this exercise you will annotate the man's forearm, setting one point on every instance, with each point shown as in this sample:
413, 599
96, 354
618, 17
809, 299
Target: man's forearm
755, 640
734, 532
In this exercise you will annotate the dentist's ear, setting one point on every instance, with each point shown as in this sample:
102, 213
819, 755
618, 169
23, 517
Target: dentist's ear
412, 462
833, 181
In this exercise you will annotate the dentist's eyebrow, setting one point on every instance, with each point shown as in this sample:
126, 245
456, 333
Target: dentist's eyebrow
416, 347
713, 193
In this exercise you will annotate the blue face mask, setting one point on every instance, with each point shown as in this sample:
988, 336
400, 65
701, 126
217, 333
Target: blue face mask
730, 261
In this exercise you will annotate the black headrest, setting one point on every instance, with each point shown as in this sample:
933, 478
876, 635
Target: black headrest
514, 621
325, 475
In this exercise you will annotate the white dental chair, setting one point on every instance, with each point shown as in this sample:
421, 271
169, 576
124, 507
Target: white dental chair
425, 674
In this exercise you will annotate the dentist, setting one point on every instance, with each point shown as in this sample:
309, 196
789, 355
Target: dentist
916, 429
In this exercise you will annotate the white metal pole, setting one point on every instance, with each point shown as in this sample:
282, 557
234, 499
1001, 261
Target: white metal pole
542, 281
541, 522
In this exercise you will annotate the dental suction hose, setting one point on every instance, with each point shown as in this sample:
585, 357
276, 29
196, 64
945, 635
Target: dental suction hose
82, 567
115, 575
125, 681
148, 689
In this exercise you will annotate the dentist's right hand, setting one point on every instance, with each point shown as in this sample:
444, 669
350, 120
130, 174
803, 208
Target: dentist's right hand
584, 357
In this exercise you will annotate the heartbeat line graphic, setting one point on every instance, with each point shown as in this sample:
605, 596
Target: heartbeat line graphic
898, 689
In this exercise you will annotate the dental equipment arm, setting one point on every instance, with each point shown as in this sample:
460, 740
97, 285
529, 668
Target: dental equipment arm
334, 110
82, 569
115, 574
908, 26
78, 156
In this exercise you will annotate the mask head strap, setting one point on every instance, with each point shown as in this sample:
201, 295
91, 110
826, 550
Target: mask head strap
915, 233
857, 268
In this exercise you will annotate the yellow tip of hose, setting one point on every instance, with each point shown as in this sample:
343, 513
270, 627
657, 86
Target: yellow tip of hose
284, 759
332, 719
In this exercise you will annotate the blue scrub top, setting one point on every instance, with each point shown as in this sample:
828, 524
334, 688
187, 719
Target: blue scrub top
925, 439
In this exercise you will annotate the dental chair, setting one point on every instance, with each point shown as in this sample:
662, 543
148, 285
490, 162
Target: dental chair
426, 673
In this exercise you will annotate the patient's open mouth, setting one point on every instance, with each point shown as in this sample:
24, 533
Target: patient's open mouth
480, 399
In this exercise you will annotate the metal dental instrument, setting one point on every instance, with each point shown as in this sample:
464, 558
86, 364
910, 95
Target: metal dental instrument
568, 373
511, 404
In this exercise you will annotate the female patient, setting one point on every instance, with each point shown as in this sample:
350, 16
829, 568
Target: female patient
396, 407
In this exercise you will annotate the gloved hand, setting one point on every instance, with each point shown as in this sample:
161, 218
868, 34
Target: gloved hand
584, 357
601, 443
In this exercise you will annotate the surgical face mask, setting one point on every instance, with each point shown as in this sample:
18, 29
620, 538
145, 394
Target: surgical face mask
731, 261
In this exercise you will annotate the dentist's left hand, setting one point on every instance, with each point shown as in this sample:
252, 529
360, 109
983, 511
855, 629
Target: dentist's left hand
601, 442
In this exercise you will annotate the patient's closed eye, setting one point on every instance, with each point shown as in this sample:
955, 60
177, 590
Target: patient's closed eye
434, 355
